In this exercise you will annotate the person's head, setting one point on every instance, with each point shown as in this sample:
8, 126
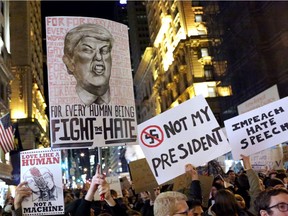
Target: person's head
272, 174
68, 198
131, 212
272, 202
125, 193
145, 195
170, 203
242, 182
283, 177
240, 201
231, 175
9, 200
87, 55
275, 183
215, 187
218, 180
113, 194
225, 203
157, 191
195, 207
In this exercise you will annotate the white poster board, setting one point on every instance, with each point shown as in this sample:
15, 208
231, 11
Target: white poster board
41, 168
268, 159
91, 98
258, 129
188, 133
268, 96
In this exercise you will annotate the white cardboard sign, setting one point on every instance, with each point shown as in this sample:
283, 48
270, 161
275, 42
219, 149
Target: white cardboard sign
258, 129
188, 133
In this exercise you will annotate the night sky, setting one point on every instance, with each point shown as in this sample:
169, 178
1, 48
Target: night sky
97, 9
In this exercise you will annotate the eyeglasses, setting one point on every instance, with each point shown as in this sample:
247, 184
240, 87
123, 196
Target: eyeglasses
283, 207
182, 213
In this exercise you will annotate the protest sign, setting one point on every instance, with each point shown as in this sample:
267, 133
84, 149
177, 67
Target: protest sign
125, 184
114, 184
285, 152
206, 184
41, 168
188, 133
181, 182
268, 96
268, 159
141, 176
260, 161
90, 85
258, 129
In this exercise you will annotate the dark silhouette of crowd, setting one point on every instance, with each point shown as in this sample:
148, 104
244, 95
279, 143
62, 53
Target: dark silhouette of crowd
247, 193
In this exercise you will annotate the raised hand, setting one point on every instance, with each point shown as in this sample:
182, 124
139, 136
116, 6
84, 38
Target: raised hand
20, 193
189, 168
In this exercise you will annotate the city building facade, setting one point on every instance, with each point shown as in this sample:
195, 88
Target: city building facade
254, 45
180, 64
6, 77
28, 102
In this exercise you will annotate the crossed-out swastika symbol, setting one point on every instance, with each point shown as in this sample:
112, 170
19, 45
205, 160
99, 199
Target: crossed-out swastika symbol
152, 136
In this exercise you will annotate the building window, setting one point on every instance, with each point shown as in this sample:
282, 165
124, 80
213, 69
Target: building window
211, 91
204, 52
208, 74
198, 18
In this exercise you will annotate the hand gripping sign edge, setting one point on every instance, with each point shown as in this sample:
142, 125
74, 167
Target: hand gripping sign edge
152, 135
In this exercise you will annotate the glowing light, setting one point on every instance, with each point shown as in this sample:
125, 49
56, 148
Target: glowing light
207, 89
164, 28
224, 91
123, 2
82, 154
18, 114
1, 44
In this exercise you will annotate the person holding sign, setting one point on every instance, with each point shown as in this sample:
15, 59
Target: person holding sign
99, 183
87, 56
195, 192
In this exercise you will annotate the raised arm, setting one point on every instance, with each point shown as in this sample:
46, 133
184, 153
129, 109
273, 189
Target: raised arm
253, 179
195, 191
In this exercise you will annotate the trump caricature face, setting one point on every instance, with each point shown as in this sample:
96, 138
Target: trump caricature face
92, 64
87, 56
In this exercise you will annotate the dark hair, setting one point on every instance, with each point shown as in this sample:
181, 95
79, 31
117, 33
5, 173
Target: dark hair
281, 176
218, 186
229, 171
273, 182
263, 200
193, 203
243, 182
225, 203
113, 193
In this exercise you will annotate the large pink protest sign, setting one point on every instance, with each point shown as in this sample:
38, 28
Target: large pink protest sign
91, 100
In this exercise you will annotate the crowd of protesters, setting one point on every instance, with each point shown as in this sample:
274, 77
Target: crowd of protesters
237, 194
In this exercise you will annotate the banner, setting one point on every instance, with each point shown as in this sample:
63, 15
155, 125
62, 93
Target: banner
188, 133
141, 176
41, 168
258, 129
91, 99
268, 96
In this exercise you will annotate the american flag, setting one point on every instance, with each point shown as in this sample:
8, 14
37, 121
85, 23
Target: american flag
6, 134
